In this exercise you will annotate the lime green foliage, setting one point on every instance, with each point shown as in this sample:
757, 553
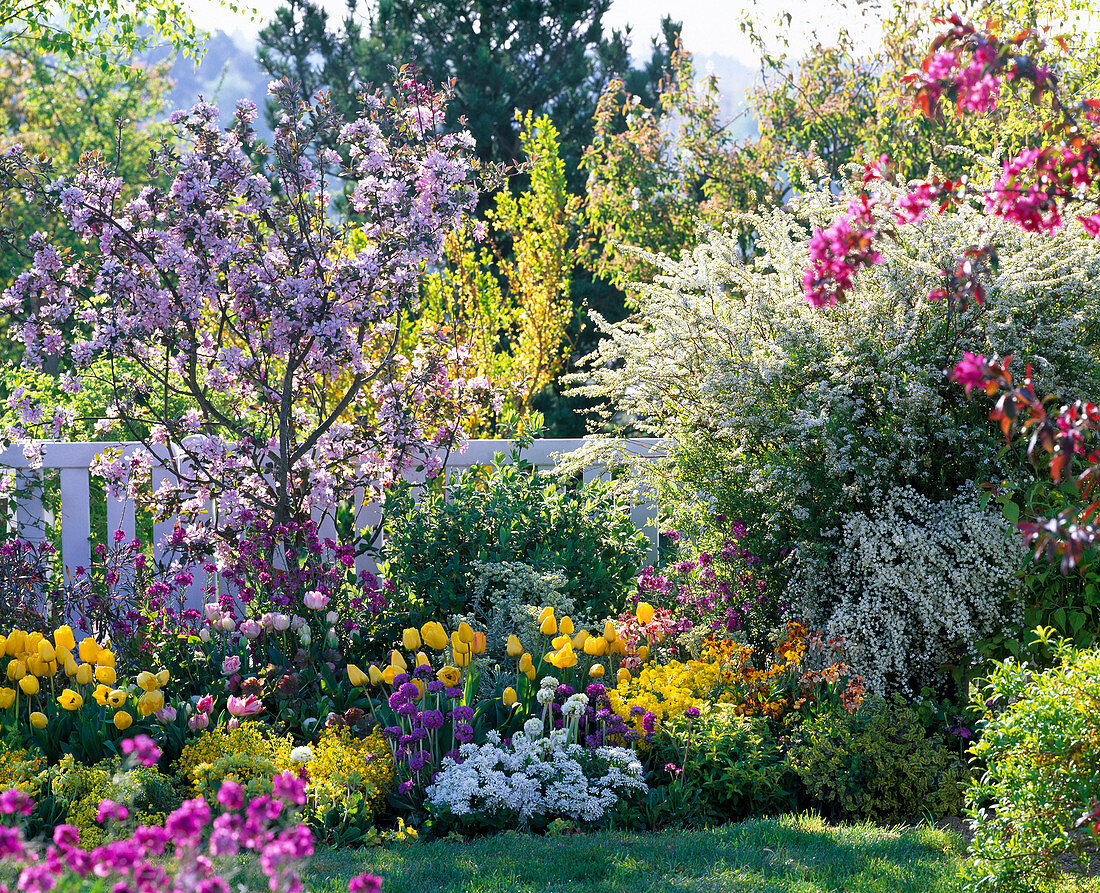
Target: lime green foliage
507, 512
877, 763
1041, 748
506, 300
658, 177
101, 30
349, 777
147, 794
250, 754
734, 766
787, 855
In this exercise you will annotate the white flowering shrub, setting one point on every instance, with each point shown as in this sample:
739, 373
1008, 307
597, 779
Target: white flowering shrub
531, 783
508, 597
912, 586
793, 419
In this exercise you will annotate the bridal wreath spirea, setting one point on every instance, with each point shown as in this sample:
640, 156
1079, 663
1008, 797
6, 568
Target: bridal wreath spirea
535, 778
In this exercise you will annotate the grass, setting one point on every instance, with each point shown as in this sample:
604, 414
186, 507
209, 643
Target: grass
793, 854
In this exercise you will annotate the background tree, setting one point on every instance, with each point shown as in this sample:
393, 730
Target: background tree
504, 292
547, 57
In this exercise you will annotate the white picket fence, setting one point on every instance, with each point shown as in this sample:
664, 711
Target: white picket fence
32, 520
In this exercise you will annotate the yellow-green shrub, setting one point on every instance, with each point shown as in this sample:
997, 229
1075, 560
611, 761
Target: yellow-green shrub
349, 777
250, 754
147, 794
876, 763
1041, 748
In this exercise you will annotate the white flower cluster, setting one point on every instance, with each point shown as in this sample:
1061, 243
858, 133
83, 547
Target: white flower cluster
913, 585
536, 778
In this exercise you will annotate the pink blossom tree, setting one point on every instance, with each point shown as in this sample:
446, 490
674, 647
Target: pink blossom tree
969, 67
240, 331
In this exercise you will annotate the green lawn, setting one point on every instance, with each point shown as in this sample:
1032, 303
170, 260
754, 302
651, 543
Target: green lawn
794, 854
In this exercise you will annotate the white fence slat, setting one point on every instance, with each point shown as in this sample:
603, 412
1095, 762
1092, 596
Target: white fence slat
30, 514
76, 519
120, 516
161, 529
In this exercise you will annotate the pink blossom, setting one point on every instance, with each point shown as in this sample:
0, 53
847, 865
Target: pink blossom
970, 371
241, 707
838, 251
230, 665
315, 601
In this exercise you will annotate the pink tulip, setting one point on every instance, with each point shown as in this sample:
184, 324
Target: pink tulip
249, 706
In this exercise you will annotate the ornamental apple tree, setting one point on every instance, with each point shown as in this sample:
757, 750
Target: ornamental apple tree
241, 333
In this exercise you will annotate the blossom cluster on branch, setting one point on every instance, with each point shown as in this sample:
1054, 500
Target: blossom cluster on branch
230, 284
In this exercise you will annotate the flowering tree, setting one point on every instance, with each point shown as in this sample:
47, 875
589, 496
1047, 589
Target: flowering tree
233, 292
969, 67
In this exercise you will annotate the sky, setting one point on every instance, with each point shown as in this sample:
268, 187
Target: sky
710, 26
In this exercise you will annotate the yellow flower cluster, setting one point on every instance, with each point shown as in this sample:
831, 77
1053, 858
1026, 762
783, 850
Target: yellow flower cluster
566, 642
349, 773
89, 670
250, 754
724, 675
667, 690
19, 769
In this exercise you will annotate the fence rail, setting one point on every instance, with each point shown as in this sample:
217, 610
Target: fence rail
33, 520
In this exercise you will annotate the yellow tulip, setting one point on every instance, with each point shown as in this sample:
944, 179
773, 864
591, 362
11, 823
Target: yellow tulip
478, 645
39, 720
546, 612
29, 684
465, 633
150, 702
146, 681
509, 697
88, 650
396, 660
30, 644
422, 659
609, 631
623, 676
579, 639
100, 695
595, 646
13, 644
389, 674
434, 635
356, 676
410, 638
36, 666
122, 720
643, 653
457, 645
596, 671
70, 700
565, 657
162, 678
71, 668
645, 612
46, 652
525, 663
617, 647
105, 658
116, 697
558, 641
419, 688
63, 638
515, 648
3, 645
7, 697
375, 675
16, 670
566, 626
84, 674
106, 675
449, 676
549, 626
462, 658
